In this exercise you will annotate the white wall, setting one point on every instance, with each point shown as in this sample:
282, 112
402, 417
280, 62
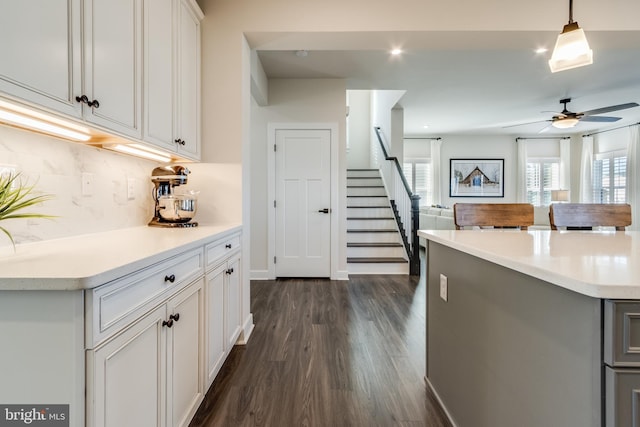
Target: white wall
359, 128
292, 101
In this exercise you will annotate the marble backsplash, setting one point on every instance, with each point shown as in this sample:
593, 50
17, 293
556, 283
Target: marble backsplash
56, 167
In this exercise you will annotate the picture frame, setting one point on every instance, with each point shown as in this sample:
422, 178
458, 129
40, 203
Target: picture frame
476, 178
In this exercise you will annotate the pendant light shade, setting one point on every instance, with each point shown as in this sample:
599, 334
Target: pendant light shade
572, 49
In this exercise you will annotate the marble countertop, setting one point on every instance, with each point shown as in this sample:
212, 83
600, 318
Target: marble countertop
87, 261
598, 264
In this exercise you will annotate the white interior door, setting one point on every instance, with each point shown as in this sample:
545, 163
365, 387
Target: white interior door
303, 198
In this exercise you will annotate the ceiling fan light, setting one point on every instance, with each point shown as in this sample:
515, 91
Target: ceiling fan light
565, 123
572, 49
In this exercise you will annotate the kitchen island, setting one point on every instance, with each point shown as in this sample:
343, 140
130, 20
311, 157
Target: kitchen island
127, 327
534, 328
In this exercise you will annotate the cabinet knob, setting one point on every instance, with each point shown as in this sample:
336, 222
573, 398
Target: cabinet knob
180, 141
84, 100
170, 279
229, 271
228, 246
168, 323
175, 317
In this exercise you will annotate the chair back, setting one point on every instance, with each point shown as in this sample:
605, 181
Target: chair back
589, 215
496, 215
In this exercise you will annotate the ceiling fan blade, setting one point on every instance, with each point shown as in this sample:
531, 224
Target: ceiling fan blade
611, 108
524, 124
546, 128
602, 119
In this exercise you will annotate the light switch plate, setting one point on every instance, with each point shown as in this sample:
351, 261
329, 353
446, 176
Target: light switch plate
444, 287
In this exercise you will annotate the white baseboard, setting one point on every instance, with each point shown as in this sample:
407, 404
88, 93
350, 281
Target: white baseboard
247, 329
259, 275
342, 275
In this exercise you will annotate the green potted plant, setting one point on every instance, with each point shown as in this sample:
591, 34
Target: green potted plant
16, 196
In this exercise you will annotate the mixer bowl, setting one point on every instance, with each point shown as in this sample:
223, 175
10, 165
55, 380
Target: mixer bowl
177, 208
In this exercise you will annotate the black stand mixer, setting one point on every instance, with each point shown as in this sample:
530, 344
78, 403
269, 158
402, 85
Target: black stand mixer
172, 210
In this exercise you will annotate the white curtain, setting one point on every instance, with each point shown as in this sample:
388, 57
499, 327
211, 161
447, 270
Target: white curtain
565, 164
633, 176
521, 180
586, 166
436, 168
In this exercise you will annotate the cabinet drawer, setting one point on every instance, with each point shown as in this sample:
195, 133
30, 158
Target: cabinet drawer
622, 333
219, 249
115, 305
622, 391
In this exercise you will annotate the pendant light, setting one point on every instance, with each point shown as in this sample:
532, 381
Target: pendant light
572, 49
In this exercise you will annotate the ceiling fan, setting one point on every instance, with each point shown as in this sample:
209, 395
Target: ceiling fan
568, 119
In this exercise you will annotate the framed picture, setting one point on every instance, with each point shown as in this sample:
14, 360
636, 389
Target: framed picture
476, 178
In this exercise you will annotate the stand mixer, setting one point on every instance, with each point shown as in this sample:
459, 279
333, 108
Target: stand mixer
172, 210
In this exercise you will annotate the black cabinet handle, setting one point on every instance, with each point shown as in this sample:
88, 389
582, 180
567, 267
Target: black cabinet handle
228, 246
175, 317
84, 100
325, 210
168, 323
229, 271
179, 141
171, 278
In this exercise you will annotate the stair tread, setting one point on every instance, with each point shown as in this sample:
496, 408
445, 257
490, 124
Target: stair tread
368, 207
365, 186
385, 196
376, 260
381, 218
362, 170
371, 231
374, 245
364, 177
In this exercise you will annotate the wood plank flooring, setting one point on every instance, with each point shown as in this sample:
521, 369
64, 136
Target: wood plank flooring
328, 353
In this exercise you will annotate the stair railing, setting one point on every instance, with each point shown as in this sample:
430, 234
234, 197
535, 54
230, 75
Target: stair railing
405, 204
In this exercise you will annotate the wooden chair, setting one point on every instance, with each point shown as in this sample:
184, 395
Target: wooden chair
585, 216
496, 215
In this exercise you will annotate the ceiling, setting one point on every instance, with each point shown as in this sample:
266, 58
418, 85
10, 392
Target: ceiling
467, 82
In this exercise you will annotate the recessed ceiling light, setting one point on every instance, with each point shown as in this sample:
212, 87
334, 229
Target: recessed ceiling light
541, 50
396, 51
426, 126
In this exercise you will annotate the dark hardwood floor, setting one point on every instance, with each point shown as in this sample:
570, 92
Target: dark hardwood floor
328, 353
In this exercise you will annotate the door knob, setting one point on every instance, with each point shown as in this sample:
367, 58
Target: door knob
325, 210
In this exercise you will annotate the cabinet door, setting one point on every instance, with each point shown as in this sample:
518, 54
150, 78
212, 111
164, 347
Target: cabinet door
215, 331
233, 307
188, 112
186, 354
158, 73
41, 53
127, 376
113, 64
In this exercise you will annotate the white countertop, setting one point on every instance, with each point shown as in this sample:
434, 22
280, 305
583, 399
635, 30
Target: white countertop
599, 264
89, 260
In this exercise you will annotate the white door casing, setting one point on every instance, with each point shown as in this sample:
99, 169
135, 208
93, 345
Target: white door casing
303, 190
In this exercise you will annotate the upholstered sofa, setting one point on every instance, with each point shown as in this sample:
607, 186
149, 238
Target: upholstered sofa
432, 218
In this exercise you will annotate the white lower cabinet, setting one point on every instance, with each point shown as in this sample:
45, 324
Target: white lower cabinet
150, 374
223, 296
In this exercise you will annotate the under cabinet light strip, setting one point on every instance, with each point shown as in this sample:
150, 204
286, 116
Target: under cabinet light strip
42, 126
140, 153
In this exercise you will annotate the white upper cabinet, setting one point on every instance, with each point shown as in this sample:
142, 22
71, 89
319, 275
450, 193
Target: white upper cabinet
159, 76
113, 65
172, 76
188, 66
40, 53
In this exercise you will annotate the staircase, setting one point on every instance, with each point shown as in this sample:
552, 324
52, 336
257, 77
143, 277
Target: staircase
374, 244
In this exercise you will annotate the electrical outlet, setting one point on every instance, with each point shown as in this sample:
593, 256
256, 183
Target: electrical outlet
444, 287
131, 188
87, 184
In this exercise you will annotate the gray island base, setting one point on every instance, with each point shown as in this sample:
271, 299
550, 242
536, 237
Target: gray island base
526, 335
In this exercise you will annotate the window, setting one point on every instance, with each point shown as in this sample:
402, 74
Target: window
543, 175
418, 175
610, 177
